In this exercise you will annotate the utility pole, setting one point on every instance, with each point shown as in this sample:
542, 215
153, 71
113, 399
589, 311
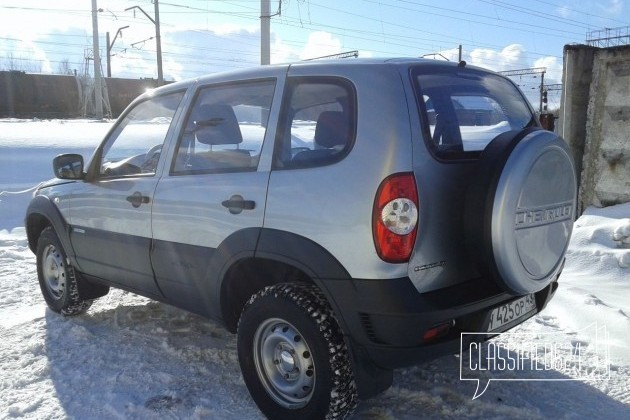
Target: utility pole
98, 88
158, 38
109, 48
158, 42
542, 88
265, 32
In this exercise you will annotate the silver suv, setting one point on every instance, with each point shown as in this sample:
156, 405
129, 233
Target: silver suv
344, 218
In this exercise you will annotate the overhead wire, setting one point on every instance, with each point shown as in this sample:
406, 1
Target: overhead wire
572, 9
416, 38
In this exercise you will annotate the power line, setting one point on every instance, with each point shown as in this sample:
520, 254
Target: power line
468, 13
524, 72
400, 42
373, 36
535, 13
571, 9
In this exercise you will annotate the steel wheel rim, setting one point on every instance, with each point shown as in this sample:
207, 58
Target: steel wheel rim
54, 272
284, 363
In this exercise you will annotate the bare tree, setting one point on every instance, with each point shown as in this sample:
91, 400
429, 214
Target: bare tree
13, 63
64, 67
9, 62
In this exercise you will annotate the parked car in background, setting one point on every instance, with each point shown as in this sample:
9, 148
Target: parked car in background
343, 218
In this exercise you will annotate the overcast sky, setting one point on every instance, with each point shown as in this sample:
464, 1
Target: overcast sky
204, 36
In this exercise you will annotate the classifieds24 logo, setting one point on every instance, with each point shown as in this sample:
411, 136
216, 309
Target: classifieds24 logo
534, 357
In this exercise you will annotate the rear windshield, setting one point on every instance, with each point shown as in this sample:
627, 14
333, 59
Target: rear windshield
463, 110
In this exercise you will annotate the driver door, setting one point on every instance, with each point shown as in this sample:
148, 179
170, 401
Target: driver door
110, 214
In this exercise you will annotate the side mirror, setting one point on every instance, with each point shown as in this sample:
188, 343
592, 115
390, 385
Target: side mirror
68, 166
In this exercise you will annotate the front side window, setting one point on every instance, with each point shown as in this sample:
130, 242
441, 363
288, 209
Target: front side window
464, 110
225, 128
135, 145
319, 123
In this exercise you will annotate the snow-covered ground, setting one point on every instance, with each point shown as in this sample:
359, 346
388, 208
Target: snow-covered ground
130, 357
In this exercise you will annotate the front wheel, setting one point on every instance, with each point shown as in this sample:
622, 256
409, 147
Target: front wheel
57, 279
292, 355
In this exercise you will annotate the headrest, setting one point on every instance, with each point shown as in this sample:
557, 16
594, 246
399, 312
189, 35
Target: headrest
217, 124
332, 129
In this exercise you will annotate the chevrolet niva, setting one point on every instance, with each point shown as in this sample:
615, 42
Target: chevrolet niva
343, 218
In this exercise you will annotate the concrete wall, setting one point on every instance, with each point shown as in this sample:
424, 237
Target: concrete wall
595, 121
578, 74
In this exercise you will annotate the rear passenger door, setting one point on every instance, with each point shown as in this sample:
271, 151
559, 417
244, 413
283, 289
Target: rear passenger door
316, 132
212, 202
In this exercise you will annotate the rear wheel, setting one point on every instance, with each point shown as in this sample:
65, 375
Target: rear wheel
292, 355
57, 279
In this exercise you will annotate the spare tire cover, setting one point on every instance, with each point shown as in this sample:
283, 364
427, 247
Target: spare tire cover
526, 194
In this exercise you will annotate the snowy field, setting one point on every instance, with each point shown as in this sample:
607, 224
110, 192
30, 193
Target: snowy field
130, 357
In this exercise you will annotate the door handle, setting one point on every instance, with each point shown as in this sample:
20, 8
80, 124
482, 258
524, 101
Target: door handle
137, 199
237, 204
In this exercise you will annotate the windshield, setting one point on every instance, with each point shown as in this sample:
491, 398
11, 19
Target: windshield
464, 109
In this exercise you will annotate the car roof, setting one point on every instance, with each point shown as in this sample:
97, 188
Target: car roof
261, 72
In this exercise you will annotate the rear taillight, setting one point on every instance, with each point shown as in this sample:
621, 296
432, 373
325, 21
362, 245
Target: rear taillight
395, 218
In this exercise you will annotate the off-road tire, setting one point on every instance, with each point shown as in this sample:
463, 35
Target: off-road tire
57, 279
294, 318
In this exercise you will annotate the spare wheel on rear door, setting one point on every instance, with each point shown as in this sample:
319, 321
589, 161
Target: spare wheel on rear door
520, 209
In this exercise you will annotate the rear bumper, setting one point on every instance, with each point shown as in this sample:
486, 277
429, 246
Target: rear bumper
385, 320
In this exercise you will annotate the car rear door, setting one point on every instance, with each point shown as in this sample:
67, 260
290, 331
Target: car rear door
111, 212
460, 111
210, 206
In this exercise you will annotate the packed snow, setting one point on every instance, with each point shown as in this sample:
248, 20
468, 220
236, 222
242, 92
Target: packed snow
130, 357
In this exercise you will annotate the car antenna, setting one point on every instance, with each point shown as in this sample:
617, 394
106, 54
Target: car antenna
461, 64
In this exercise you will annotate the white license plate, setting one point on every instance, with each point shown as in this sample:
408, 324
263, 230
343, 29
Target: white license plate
511, 311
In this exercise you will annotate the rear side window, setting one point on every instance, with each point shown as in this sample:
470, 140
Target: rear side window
463, 110
318, 125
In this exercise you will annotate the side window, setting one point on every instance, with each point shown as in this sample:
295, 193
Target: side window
135, 145
319, 123
225, 129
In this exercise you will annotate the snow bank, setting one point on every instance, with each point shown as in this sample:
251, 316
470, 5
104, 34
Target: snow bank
57, 134
595, 284
27, 148
130, 357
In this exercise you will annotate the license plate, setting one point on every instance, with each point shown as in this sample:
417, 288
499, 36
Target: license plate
511, 311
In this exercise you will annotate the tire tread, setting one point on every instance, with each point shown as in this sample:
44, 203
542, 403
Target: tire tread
343, 395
